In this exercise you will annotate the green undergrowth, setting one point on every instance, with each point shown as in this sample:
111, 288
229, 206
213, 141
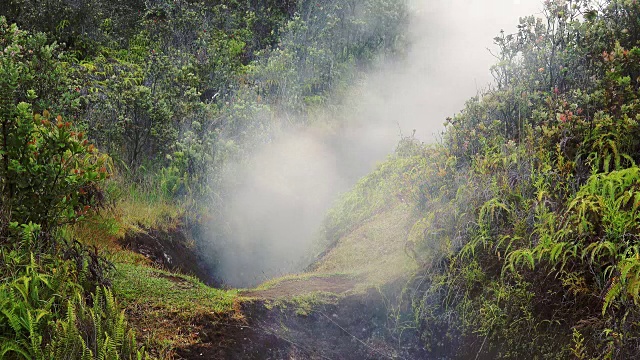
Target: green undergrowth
536, 221
143, 206
128, 208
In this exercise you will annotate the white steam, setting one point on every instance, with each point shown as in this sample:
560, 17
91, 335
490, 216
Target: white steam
291, 183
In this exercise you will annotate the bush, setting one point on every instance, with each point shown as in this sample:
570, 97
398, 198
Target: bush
52, 303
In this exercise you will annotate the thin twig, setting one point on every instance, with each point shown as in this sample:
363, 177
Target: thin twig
308, 351
481, 346
355, 337
485, 339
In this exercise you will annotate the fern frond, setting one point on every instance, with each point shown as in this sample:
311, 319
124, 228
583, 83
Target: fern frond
614, 291
13, 346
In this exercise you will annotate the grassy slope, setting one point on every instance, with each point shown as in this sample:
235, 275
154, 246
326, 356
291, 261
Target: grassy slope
166, 309
375, 251
371, 256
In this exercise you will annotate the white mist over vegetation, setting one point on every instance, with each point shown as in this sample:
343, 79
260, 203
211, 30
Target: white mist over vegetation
276, 212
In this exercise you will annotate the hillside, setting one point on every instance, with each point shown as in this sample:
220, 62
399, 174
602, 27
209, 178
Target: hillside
134, 140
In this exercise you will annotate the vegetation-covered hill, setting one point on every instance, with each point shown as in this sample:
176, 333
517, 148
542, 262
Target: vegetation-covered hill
528, 210
534, 195
517, 235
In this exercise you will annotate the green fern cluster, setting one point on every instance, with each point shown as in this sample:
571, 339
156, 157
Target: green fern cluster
599, 231
45, 316
96, 332
26, 308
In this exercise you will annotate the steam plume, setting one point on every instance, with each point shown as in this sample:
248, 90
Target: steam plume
291, 183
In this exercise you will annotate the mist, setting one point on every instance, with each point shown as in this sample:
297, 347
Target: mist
275, 214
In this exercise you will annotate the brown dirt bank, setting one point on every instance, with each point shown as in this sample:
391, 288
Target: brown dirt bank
172, 249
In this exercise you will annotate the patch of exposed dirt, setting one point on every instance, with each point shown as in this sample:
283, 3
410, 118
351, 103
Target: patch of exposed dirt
294, 287
171, 249
357, 327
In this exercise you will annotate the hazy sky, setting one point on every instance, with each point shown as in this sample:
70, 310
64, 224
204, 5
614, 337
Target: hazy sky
449, 60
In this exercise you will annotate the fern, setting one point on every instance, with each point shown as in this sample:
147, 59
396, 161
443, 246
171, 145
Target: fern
492, 211
96, 332
599, 249
28, 316
518, 257
557, 251
605, 213
614, 291
13, 346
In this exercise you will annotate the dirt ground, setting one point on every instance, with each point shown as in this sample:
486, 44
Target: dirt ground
356, 326
171, 250
296, 287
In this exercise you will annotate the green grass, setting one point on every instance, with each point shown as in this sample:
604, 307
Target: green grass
169, 310
375, 251
304, 304
295, 277
168, 291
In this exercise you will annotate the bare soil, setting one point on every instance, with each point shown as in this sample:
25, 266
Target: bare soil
357, 327
170, 249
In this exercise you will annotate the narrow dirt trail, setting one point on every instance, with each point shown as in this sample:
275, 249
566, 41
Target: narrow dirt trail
287, 289
312, 317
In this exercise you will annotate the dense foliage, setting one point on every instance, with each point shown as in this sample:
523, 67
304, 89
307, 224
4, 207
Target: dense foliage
53, 303
170, 90
529, 208
536, 197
